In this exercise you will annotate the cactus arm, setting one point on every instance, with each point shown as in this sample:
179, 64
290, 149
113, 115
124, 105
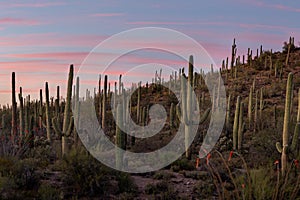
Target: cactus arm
56, 126
70, 128
279, 147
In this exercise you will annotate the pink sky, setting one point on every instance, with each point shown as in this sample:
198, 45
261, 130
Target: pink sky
39, 40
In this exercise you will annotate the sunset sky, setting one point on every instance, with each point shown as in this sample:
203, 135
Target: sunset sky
39, 39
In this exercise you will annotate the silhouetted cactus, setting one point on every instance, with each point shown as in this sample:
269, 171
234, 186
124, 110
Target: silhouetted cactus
47, 112
233, 54
67, 124
21, 113
104, 100
68, 121
14, 128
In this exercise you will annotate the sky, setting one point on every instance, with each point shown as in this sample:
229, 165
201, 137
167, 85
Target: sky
40, 39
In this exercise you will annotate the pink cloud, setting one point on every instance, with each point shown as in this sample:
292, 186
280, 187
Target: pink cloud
50, 40
17, 21
37, 5
266, 5
264, 26
107, 14
176, 23
287, 8
51, 55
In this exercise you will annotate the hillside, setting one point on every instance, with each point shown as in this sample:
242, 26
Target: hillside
42, 157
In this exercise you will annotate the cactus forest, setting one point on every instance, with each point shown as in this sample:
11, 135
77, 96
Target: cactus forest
256, 156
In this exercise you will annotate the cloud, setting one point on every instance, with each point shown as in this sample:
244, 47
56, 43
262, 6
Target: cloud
50, 40
17, 21
177, 23
273, 6
106, 14
36, 5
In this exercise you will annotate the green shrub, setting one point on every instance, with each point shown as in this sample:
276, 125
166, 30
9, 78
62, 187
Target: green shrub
163, 175
182, 164
47, 192
91, 178
24, 174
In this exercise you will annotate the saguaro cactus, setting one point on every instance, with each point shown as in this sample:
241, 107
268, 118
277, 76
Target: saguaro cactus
47, 112
233, 53
68, 120
241, 127
228, 115
250, 107
21, 113
138, 112
261, 108
104, 102
236, 123
41, 110
256, 111
298, 115
172, 116
120, 138
187, 107
285, 134
67, 114
14, 108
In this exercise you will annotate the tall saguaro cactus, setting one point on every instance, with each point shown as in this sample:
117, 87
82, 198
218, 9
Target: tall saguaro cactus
104, 102
187, 106
241, 127
47, 112
250, 102
236, 123
120, 138
67, 114
285, 134
14, 107
21, 113
228, 115
233, 54
68, 121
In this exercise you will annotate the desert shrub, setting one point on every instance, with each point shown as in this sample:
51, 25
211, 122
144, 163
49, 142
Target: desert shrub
91, 178
24, 174
6, 164
261, 179
162, 175
182, 164
125, 183
42, 153
157, 188
47, 192
204, 190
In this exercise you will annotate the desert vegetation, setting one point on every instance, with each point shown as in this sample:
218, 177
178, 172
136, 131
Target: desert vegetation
256, 157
